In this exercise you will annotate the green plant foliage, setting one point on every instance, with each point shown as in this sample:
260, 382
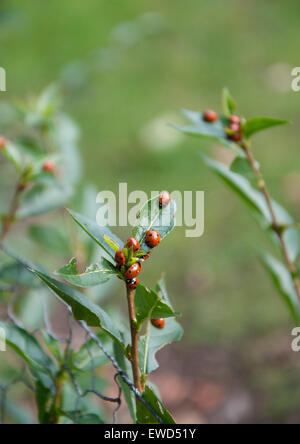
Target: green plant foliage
146, 417
256, 124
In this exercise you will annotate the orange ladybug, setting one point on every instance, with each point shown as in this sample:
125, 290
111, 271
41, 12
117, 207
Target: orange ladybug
234, 119
132, 283
164, 199
2, 142
132, 242
133, 271
152, 238
49, 166
158, 323
120, 258
210, 116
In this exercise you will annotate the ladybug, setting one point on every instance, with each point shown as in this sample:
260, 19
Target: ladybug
234, 119
133, 271
146, 256
132, 242
152, 238
164, 199
2, 142
48, 166
120, 258
236, 137
234, 127
132, 283
210, 116
158, 323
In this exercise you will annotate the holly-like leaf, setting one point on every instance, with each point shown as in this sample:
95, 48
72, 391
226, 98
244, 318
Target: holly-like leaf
256, 124
284, 283
148, 305
97, 232
144, 416
155, 339
228, 103
83, 309
94, 275
152, 217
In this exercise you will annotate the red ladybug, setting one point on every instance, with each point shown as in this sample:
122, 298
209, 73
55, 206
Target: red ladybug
49, 166
132, 283
146, 256
234, 119
164, 199
210, 116
120, 258
234, 127
133, 271
152, 238
158, 323
132, 242
236, 137
2, 142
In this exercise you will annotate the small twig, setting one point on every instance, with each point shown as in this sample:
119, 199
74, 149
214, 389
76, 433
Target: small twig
275, 224
9, 219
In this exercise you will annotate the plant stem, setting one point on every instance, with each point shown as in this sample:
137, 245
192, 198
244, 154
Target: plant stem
134, 341
9, 219
275, 224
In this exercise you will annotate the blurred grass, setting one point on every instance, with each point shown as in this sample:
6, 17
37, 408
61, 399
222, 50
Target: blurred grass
216, 281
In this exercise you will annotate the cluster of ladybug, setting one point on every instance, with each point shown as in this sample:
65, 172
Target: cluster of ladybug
234, 129
129, 260
48, 165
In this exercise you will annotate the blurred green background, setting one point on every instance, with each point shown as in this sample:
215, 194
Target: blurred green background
124, 84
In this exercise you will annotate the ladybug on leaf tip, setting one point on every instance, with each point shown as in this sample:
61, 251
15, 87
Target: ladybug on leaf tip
158, 323
2, 142
164, 199
210, 116
152, 238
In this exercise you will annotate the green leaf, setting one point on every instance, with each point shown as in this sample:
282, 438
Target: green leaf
13, 155
83, 309
93, 275
17, 273
41, 199
242, 166
149, 305
114, 245
144, 416
88, 418
256, 124
51, 238
228, 103
156, 339
257, 203
284, 283
49, 101
42, 396
26, 346
152, 217
97, 232
90, 355
212, 131
52, 344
